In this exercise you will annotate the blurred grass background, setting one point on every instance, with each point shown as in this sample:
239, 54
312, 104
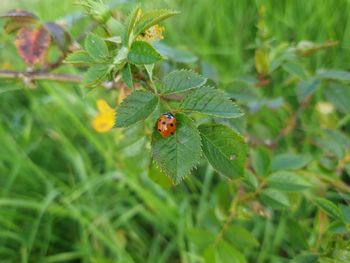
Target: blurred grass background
68, 193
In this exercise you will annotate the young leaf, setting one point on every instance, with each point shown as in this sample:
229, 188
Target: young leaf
274, 198
79, 57
95, 74
142, 52
178, 154
96, 47
32, 44
151, 18
211, 101
181, 80
289, 161
129, 25
287, 181
330, 208
136, 107
225, 149
127, 76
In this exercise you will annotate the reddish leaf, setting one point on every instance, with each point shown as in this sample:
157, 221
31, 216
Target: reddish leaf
17, 19
59, 35
32, 44
19, 13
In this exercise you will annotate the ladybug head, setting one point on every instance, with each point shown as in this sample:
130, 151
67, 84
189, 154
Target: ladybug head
168, 115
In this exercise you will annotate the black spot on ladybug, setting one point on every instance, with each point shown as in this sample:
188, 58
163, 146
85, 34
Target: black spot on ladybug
171, 124
159, 130
163, 122
172, 133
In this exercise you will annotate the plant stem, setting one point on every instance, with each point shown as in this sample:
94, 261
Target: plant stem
28, 77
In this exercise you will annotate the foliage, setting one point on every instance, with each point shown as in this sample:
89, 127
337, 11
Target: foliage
257, 170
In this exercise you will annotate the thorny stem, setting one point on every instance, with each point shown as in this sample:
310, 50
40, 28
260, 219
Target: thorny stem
28, 77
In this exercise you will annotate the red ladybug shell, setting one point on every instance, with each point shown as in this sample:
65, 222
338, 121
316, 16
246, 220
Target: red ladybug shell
166, 125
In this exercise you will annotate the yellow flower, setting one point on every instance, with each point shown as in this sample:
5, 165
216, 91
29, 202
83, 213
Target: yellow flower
105, 119
325, 108
152, 34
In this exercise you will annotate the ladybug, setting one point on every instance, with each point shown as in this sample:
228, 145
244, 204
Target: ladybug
166, 125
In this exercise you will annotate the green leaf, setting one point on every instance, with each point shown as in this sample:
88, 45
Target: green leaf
79, 57
142, 52
226, 253
149, 68
158, 177
287, 181
274, 198
178, 154
136, 107
240, 237
201, 238
95, 74
151, 18
129, 26
262, 64
211, 101
176, 55
250, 181
225, 149
295, 69
261, 161
345, 210
329, 208
127, 76
339, 96
333, 74
121, 56
181, 80
305, 258
96, 47
306, 88
289, 161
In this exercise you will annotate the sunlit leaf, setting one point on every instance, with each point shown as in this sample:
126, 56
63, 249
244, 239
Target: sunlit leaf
211, 101
142, 52
181, 80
